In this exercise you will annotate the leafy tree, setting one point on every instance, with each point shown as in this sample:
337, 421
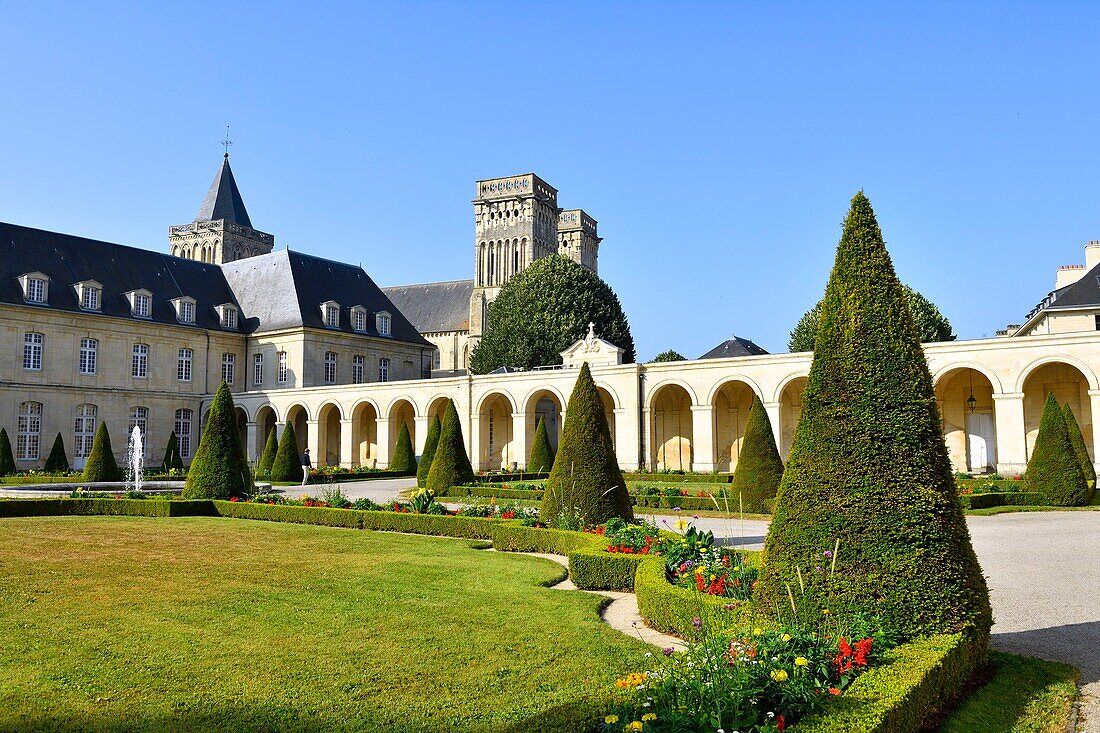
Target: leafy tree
759, 467
288, 464
669, 355
101, 465
267, 459
219, 469
57, 461
1054, 469
542, 453
431, 440
542, 310
1079, 448
172, 457
404, 458
451, 464
869, 468
7, 460
586, 475
931, 324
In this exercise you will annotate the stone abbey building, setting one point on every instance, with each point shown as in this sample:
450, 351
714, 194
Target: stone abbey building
95, 332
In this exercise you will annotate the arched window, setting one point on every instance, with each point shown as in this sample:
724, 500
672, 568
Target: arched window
84, 431
29, 432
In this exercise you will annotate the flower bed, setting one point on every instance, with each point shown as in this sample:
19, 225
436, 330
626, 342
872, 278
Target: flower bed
679, 477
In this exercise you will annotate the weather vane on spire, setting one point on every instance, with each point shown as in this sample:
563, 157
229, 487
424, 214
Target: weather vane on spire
227, 142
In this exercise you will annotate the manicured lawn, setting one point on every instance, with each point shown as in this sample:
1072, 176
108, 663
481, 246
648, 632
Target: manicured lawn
201, 623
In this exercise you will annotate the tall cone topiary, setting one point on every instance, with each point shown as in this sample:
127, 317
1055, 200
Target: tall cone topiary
759, 467
1054, 470
288, 462
586, 475
7, 460
172, 457
101, 465
1078, 441
451, 464
403, 460
542, 453
431, 441
267, 458
869, 469
219, 469
57, 461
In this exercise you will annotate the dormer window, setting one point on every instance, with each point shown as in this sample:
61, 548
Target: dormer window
382, 323
359, 319
89, 293
35, 287
141, 303
185, 309
227, 316
330, 314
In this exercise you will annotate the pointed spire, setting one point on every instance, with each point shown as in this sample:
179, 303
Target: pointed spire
223, 200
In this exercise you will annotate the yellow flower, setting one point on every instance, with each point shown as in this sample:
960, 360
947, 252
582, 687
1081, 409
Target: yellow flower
648, 717
801, 662
680, 525
636, 725
611, 719
825, 611
786, 637
779, 675
758, 631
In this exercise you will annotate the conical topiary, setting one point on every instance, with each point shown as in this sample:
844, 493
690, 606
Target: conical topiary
586, 478
288, 463
1054, 470
172, 457
403, 459
57, 462
759, 467
542, 453
451, 465
101, 465
1078, 441
267, 459
431, 440
7, 460
219, 469
869, 468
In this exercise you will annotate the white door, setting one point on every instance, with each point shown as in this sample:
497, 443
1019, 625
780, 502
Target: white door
84, 433
981, 447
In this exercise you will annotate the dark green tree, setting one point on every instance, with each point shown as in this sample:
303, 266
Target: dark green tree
57, 462
431, 440
219, 469
759, 467
931, 324
869, 468
544, 309
669, 355
288, 462
101, 465
172, 457
7, 460
267, 459
451, 464
542, 453
586, 476
404, 458
1054, 470
1079, 448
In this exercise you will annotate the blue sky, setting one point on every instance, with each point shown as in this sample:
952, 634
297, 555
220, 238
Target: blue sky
717, 144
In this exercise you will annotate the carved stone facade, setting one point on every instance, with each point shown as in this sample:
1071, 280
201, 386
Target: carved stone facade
218, 242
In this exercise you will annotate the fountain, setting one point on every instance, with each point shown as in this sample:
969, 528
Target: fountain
135, 459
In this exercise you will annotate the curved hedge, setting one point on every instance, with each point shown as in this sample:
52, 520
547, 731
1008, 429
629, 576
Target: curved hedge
597, 569
672, 609
104, 507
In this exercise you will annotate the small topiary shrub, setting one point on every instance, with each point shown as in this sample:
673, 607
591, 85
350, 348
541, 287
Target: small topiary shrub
451, 465
542, 453
1054, 469
1078, 441
759, 467
267, 459
219, 469
57, 461
586, 476
101, 465
7, 460
430, 443
288, 464
404, 458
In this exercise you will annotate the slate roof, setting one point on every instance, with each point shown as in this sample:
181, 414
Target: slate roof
67, 260
285, 289
223, 200
435, 307
734, 346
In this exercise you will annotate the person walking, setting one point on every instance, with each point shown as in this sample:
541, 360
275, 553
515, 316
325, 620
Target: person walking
306, 466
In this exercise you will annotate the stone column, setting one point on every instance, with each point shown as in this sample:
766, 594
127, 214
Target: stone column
626, 438
313, 442
382, 431
474, 442
649, 453
420, 427
251, 447
519, 439
1011, 440
774, 414
347, 446
1094, 403
702, 438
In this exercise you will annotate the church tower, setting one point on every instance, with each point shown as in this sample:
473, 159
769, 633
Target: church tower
577, 238
515, 223
222, 231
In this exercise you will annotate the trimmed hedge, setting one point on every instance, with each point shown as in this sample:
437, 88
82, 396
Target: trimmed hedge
429, 524
514, 537
219, 469
542, 454
403, 458
597, 569
267, 459
679, 478
101, 465
431, 442
992, 499
347, 518
673, 609
288, 463
1078, 442
758, 505
439, 525
503, 478
759, 468
1054, 469
1003, 485
7, 460
451, 464
106, 507
487, 492
57, 460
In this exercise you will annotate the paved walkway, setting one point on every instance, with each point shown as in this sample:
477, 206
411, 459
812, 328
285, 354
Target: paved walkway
380, 490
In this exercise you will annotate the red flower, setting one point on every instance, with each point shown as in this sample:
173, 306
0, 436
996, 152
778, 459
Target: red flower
863, 648
834, 691
780, 723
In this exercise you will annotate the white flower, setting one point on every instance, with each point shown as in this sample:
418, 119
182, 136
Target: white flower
649, 654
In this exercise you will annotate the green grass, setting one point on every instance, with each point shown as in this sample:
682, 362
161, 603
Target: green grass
1024, 695
113, 623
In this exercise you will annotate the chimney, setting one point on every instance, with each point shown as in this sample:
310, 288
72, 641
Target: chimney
1069, 274
1092, 254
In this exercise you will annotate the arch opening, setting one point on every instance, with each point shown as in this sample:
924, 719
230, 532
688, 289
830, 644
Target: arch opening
1069, 386
265, 423
790, 413
671, 429
328, 436
298, 417
364, 435
543, 405
731, 413
402, 412
496, 449
969, 425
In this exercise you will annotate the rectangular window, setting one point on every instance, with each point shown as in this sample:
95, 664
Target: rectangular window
258, 369
383, 370
282, 367
29, 431
436, 359
358, 364
1096, 321
183, 432
88, 349
330, 367
32, 351
139, 418
183, 368
84, 431
229, 318
229, 368
332, 316
142, 306
383, 324
89, 298
36, 290
187, 311
139, 362
360, 321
